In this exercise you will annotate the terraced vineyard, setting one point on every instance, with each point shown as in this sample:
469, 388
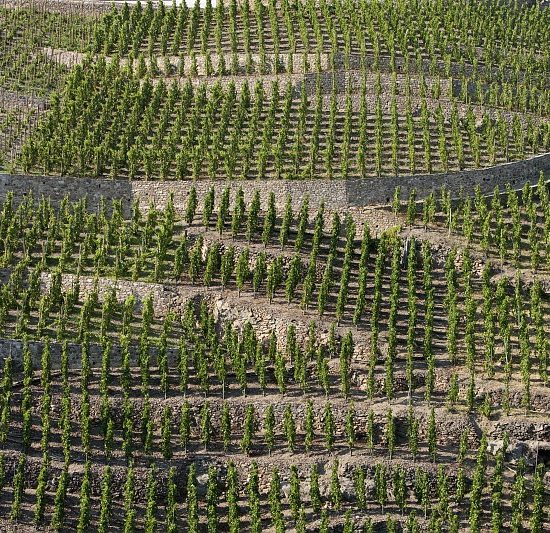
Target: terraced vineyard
274, 266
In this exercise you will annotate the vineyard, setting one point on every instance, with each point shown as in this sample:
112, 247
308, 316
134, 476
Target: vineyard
206, 321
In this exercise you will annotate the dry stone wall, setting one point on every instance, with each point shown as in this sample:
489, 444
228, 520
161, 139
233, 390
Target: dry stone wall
338, 195
340, 82
166, 298
14, 348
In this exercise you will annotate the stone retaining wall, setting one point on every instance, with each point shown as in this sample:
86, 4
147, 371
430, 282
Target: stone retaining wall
226, 307
165, 298
338, 195
14, 348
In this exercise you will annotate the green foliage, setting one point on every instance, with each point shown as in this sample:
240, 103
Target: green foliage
106, 502
123, 115
192, 500
289, 426
249, 429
